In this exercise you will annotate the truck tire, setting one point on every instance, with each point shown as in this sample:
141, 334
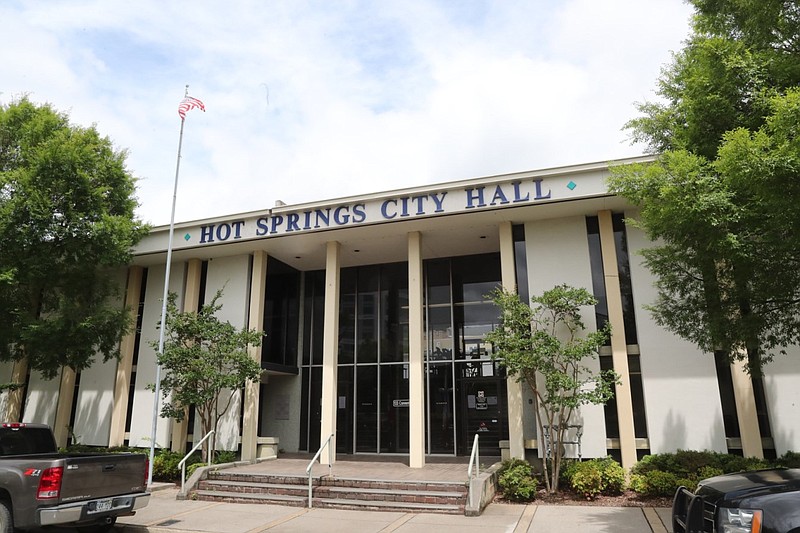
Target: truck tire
6, 520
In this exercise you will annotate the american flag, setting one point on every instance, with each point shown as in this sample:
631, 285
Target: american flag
189, 103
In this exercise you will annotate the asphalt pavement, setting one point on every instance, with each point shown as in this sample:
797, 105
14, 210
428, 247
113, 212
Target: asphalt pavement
166, 514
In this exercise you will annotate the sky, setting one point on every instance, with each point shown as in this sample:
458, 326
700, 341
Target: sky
317, 100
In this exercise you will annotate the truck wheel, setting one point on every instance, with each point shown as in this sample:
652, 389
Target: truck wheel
6, 521
97, 528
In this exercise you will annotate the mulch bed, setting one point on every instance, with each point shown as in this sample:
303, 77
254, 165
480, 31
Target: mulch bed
626, 499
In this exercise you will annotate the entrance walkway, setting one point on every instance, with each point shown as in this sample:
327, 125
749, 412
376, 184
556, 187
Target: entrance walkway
369, 467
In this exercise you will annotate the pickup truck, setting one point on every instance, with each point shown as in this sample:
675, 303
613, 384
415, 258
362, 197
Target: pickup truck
761, 501
41, 487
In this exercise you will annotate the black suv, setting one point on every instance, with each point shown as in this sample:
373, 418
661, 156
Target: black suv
761, 501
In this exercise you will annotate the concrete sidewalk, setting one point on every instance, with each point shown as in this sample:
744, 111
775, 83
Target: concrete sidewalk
165, 514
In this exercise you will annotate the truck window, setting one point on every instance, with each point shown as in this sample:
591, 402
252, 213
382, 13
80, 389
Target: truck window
26, 441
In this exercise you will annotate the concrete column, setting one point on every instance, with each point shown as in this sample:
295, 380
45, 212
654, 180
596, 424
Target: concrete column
508, 272
746, 411
66, 394
330, 350
619, 348
19, 374
191, 301
125, 365
416, 354
258, 283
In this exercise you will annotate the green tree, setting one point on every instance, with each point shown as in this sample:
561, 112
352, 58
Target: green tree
720, 201
544, 346
205, 362
67, 227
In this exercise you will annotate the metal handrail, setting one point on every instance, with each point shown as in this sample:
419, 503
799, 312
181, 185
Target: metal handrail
314, 460
475, 457
182, 464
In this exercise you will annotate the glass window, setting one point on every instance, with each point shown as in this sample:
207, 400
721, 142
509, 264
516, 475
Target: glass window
367, 314
394, 313
313, 317
394, 408
624, 270
598, 277
521, 262
367, 408
281, 315
347, 315
345, 413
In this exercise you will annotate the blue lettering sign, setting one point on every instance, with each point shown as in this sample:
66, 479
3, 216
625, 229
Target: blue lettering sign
262, 227
539, 195
385, 209
475, 195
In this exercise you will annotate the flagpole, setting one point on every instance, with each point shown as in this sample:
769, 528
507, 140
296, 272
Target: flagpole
162, 326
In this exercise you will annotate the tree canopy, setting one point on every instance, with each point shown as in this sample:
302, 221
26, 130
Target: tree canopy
67, 227
720, 202
546, 347
205, 363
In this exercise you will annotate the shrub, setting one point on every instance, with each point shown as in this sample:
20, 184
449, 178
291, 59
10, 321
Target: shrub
568, 469
165, 465
707, 472
664, 462
655, 483
225, 456
597, 476
587, 480
789, 460
613, 476
689, 483
517, 481
734, 463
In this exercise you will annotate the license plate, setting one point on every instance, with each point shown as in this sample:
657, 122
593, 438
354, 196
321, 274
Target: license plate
102, 505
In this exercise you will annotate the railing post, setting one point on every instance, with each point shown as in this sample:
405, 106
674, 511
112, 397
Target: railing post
182, 464
316, 456
475, 458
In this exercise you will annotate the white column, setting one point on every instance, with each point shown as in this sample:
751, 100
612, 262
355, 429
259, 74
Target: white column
66, 394
746, 410
516, 437
619, 349
191, 300
258, 282
330, 350
416, 357
125, 366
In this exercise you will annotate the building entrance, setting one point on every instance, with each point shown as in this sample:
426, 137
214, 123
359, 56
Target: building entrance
465, 391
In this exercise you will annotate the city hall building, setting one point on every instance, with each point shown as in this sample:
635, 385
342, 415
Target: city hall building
374, 310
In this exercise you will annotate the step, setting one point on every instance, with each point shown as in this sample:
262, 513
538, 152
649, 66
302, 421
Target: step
411, 496
447, 486
374, 505
249, 497
259, 478
252, 487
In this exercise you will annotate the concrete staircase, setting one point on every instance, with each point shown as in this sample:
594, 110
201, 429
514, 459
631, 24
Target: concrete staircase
339, 493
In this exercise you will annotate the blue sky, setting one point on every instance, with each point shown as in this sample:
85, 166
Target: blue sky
315, 100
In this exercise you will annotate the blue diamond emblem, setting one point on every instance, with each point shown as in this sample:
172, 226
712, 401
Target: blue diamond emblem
571, 185
187, 237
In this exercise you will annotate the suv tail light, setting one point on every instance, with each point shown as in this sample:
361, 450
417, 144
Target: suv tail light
50, 483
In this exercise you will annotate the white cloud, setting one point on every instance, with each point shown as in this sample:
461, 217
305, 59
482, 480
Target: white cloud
308, 101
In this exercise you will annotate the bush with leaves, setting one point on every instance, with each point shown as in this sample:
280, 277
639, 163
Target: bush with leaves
655, 483
788, 460
517, 480
165, 465
587, 480
595, 477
